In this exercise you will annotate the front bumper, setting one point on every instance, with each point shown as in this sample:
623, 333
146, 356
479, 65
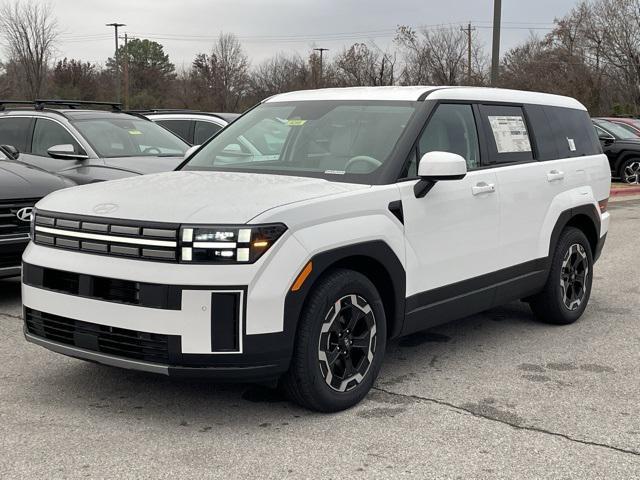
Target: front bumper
86, 298
258, 372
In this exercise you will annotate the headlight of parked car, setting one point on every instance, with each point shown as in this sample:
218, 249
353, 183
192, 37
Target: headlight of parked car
227, 244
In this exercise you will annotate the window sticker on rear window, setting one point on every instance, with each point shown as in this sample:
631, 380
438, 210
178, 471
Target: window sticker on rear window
510, 133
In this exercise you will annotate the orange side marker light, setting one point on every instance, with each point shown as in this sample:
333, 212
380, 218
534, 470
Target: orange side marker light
297, 285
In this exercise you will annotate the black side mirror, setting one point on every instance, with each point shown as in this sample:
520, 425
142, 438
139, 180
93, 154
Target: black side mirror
10, 151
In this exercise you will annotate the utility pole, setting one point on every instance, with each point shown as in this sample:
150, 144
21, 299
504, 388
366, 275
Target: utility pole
495, 53
468, 30
126, 72
321, 50
115, 25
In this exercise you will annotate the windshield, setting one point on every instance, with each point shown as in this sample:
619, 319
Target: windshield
617, 130
327, 139
130, 137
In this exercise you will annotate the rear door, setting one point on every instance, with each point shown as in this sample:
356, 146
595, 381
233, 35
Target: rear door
524, 187
452, 234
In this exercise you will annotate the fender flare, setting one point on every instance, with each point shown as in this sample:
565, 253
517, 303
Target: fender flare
565, 217
376, 250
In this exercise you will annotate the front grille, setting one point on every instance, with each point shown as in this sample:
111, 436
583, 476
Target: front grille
121, 238
10, 224
149, 347
150, 295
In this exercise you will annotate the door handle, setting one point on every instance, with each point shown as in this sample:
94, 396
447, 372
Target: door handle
483, 187
554, 175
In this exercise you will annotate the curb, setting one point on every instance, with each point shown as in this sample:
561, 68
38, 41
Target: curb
621, 192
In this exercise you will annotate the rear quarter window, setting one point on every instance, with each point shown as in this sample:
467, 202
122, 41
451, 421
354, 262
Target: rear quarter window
573, 132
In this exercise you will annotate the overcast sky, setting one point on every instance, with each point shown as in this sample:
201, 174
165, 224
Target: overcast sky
267, 27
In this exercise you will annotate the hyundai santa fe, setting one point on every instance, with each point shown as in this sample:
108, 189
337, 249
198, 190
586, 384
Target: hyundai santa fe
359, 215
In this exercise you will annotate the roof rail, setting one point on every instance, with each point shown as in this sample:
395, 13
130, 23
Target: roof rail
164, 110
13, 102
72, 104
41, 104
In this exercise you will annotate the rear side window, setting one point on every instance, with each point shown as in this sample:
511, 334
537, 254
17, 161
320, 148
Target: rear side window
181, 128
573, 131
13, 131
507, 135
204, 131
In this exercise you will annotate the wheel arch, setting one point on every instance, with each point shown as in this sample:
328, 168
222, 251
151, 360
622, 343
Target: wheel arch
585, 218
374, 259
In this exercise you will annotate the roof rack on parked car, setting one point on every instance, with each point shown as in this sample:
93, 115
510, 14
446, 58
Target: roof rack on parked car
41, 104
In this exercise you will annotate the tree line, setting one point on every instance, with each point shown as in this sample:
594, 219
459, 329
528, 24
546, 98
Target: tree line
592, 54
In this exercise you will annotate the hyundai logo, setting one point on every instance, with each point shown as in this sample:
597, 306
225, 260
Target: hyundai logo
105, 208
24, 214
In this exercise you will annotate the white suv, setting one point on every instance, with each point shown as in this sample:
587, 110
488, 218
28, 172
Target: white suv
366, 214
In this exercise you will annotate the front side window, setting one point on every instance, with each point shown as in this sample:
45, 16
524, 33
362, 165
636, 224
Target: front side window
48, 134
616, 130
114, 137
13, 131
338, 140
452, 128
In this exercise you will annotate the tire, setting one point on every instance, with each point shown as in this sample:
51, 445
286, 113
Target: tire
319, 377
567, 291
630, 171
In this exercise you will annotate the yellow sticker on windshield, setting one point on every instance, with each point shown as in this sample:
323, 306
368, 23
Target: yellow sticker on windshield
296, 122
135, 132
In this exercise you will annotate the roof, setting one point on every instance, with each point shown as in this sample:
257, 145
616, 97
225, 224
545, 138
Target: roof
416, 93
193, 114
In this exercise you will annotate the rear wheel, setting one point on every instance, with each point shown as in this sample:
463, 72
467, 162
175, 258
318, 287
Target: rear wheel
630, 171
340, 343
568, 287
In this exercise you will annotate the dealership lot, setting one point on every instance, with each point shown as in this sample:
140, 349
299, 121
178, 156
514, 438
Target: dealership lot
495, 395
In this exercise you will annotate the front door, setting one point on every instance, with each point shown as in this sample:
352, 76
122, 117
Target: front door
453, 233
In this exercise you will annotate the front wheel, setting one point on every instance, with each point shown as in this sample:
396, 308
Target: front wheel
630, 171
340, 343
568, 288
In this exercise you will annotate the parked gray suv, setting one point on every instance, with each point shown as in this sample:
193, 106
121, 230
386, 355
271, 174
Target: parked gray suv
85, 145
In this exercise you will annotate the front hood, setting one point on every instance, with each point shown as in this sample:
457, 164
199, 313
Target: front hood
144, 165
629, 143
191, 197
22, 181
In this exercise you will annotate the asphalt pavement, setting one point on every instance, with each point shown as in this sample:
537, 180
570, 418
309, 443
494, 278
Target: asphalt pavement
496, 395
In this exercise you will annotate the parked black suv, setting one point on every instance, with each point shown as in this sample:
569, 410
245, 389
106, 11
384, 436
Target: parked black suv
622, 147
86, 145
21, 186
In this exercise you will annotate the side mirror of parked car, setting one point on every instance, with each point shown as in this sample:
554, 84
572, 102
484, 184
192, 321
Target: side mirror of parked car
66, 152
607, 139
438, 166
190, 151
10, 151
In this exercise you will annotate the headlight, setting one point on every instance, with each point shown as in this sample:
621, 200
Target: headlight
227, 244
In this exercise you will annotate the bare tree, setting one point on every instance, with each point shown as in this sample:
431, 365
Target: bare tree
435, 56
29, 30
361, 65
280, 73
223, 75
